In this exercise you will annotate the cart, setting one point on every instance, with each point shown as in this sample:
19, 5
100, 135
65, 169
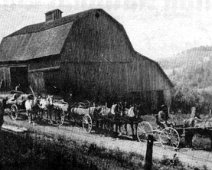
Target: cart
167, 136
15, 102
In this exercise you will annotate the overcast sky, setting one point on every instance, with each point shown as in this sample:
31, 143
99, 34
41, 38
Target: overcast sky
156, 28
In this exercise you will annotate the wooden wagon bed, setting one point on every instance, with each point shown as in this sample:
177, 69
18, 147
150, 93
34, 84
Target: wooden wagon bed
188, 132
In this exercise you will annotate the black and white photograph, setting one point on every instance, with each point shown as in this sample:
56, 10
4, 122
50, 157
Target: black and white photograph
106, 85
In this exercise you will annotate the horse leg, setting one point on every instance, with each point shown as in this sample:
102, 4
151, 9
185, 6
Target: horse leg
47, 115
125, 126
132, 128
28, 116
136, 128
97, 124
49, 112
119, 127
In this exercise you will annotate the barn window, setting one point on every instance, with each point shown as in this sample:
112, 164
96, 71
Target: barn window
97, 15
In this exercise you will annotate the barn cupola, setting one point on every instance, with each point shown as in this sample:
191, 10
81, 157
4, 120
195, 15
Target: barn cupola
53, 15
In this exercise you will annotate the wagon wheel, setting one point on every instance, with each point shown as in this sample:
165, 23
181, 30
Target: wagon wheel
169, 136
143, 130
14, 112
87, 123
61, 117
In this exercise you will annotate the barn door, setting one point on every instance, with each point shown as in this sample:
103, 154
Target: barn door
37, 81
19, 75
160, 98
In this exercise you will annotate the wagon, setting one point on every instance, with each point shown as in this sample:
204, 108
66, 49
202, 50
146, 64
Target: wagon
142, 127
85, 118
167, 136
15, 102
203, 128
62, 110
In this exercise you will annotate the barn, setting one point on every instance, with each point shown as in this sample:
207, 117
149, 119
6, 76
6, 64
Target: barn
88, 53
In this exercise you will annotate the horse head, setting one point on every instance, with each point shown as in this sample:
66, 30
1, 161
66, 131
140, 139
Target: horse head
50, 99
44, 103
113, 109
97, 110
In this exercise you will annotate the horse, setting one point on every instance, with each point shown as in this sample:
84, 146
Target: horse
131, 116
31, 106
46, 105
107, 117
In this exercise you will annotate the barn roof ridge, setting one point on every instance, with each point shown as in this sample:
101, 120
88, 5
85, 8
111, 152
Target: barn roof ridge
42, 26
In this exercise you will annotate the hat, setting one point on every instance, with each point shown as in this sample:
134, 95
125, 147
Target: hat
163, 106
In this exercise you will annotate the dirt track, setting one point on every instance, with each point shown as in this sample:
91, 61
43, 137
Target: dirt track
187, 156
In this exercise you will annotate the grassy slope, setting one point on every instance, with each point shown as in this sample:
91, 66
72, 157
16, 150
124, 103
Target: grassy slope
43, 153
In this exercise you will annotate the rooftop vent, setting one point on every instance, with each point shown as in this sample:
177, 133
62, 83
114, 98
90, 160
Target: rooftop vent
53, 15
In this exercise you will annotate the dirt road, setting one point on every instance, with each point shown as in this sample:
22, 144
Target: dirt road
187, 156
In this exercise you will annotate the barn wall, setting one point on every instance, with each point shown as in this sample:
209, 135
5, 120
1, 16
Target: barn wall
96, 39
5, 77
148, 82
45, 62
44, 72
95, 56
95, 80
98, 60
146, 76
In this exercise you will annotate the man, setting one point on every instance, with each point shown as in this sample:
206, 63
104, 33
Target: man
194, 118
163, 117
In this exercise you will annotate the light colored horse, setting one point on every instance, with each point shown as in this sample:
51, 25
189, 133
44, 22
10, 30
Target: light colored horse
46, 105
129, 112
105, 111
31, 105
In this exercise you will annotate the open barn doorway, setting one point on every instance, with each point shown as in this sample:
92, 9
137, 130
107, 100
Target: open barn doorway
19, 75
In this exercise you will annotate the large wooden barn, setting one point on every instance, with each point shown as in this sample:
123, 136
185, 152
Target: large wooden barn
87, 53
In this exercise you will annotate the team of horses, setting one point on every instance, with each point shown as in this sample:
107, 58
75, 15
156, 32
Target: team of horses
112, 118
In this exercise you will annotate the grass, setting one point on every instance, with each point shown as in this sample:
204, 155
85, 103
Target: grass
18, 152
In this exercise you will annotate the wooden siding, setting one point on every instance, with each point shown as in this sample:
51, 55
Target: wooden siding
98, 61
146, 76
5, 76
50, 61
93, 39
97, 79
37, 81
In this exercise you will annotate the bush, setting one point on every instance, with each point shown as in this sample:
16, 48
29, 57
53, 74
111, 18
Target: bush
185, 97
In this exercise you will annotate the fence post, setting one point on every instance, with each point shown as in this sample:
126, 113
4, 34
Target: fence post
149, 150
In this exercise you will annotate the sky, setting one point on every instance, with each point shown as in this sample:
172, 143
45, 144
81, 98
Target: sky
156, 28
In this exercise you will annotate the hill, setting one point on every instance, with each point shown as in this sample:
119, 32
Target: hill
191, 73
191, 67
